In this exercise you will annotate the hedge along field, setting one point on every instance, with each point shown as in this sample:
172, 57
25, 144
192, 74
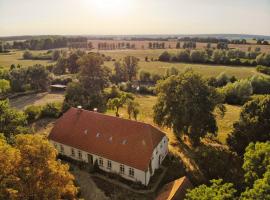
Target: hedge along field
16, 57
205, 69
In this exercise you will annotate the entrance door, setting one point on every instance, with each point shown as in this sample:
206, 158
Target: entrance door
90, 159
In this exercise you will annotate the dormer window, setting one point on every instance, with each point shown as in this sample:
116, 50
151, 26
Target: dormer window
85, 131
98, 135
110, 139
124, 141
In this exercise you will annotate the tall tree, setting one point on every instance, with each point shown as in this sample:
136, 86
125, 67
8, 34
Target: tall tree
186, 103
132, 109
131, 65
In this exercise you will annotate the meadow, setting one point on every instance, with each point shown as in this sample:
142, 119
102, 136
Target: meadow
16, 57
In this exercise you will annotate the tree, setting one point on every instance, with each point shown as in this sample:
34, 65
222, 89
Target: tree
61, 66
257, 171
118, 102
145, 76
178, 45
217, 191
4, 86
186, 103
94, 76
183, 56
219, 56
238, 92
256, 161
38, 77
27, 55
253, 125
260, 189
56, 54
130, 64
120, 72
198, 56
165, 57
132, 109
31, 171
18, 79
11, 121
72, 64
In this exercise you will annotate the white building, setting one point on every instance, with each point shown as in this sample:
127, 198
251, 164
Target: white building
132, 149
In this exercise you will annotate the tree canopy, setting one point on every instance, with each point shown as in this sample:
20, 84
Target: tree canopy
253, 125
29, 170
186, 103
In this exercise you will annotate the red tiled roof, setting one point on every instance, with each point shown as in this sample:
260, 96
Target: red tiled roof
79, 128
175, 190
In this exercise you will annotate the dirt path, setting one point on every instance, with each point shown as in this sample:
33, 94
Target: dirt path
89, 190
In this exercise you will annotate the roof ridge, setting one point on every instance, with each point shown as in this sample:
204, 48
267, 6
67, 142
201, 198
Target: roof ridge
129, 120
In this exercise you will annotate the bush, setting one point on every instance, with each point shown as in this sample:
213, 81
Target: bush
263, 59
52, 110
198, 56
260, 84
183, 56
165, 57
238, 92
27, 55
263, 69
32, 113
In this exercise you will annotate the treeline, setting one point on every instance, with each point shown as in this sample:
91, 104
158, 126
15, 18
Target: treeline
51, 43
118, 45
204, 40
218, 56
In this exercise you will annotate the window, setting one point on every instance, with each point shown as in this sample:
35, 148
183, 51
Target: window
122, 169
61, 148
109, 164
72, 152
100, 162
160, 146
80, 154
157, 152
131, 172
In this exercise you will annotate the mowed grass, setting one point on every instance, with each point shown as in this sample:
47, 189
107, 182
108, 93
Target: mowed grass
16, 57
204, 69
225, 124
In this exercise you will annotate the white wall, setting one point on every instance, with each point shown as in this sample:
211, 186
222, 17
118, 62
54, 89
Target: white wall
139, 175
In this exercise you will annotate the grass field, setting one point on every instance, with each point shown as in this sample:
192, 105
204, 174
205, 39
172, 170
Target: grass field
15, 57
224, 124
205, 70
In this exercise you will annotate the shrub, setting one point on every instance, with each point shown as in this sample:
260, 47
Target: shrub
263, 59
238, 92
183, 56
52, 110
32, 113
263, 69
165, 57
260, 84
27, 55
198, 56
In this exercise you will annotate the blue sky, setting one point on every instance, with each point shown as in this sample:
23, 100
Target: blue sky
27, 17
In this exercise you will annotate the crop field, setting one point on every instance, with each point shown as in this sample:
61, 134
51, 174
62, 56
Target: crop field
16, 57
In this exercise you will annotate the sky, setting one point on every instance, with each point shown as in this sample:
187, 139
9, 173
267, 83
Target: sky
114, 17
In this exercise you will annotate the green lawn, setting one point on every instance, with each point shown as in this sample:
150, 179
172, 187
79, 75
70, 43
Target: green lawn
147, 102
204, 69
15, 57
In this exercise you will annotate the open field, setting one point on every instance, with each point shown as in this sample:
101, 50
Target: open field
204, 69
15, 57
